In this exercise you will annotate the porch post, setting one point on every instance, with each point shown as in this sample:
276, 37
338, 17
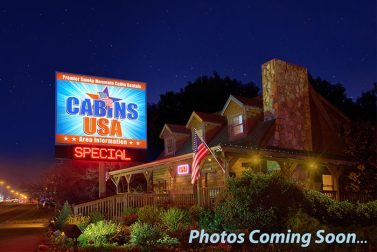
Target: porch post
147, 175
101, 179
116, 181
287, 168
128, 179
336, 172
226, 168
198, 190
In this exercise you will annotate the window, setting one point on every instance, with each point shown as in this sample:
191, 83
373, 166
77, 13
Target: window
327, 183
169, 146
236, 125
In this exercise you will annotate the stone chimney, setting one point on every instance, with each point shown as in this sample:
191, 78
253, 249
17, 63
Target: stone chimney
286, 99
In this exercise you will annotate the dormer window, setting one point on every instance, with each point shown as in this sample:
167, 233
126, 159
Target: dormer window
236, 126
169, 146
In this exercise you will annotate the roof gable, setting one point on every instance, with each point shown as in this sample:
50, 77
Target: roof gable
242, 102
205, 117
174, 129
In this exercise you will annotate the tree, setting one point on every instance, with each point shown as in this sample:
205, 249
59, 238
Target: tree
362, 148
366, 105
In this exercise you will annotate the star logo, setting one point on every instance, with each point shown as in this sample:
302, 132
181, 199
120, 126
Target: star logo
104, 96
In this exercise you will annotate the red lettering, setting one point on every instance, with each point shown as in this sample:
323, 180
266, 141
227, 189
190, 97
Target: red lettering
95, 152
78, 152
100, 153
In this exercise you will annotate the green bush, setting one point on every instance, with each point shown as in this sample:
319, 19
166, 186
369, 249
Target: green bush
128, 211
167, 240
195, 212
301, 222
343, 213
144, 234
98, 234
63, 215
149, 214
211, 221
258, 201
80, 221
367, 213
96, 216
175, 219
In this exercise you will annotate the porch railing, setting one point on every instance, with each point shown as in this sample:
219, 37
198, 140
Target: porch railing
354, 197
115, 205
208, 196
361, 197
331, 194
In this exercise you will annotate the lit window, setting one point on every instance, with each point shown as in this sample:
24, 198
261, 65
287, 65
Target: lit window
169, 146
327, 183
237, 125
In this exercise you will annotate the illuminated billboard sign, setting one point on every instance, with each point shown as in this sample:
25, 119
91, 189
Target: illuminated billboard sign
96, 111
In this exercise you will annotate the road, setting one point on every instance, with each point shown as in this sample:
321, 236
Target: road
22, 227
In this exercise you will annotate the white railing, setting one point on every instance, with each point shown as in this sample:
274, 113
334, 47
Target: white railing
115, 205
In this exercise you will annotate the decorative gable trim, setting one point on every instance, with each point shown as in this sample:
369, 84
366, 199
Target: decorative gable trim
231, 98
163, 130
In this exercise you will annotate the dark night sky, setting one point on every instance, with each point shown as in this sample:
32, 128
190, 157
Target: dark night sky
166, 44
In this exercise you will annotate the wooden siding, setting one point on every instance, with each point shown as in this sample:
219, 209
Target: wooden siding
233, 109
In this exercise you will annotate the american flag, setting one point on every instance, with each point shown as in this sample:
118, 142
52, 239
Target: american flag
200, 151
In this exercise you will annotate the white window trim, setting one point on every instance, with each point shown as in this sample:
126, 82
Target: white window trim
230, 123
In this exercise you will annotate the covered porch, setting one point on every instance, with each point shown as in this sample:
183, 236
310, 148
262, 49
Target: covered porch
165, 185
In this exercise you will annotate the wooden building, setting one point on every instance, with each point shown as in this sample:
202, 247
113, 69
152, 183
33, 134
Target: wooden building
291, 130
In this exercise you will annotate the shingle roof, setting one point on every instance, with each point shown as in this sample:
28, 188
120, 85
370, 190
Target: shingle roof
254, 138
178, 128
254, 101
207, 117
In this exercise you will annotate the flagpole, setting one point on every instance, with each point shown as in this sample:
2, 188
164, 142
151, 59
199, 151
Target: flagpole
222, 168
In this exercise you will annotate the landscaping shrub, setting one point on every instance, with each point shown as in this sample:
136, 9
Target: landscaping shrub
144, 234
129, 210
63, 215
301, 222
367, 213
149, 214
195, 212
342, 213
167, 240
98, 234
128, 220
122, 236
96, 216
79, 220
210, 220
258, 201
175, 219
